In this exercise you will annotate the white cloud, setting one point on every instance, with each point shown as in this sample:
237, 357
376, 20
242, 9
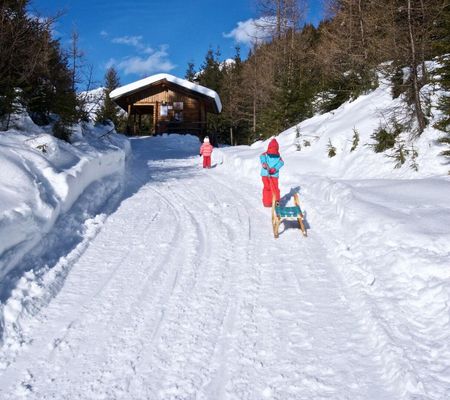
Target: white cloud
251, 31
112, 62
104, 33
133, 41
147, 60
156, 61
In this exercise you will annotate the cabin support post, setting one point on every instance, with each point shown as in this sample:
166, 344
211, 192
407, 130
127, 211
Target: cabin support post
202, 118
155, 116
128, 119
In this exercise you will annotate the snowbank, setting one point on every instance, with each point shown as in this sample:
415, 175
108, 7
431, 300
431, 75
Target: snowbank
42, 177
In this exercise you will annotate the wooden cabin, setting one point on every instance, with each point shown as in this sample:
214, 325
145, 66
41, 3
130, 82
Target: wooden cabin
163, 103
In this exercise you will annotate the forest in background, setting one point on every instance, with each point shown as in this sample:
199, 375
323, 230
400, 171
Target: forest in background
298, 70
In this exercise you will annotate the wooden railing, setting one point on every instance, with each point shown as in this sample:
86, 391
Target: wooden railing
181, 126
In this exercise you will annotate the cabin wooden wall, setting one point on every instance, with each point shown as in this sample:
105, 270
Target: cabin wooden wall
191, 107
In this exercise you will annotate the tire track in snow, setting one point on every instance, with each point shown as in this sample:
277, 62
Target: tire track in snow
196, 340
148, 309
108, 307
213, 384
207, 305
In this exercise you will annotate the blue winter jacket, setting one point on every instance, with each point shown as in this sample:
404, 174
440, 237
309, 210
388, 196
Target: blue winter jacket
272, 161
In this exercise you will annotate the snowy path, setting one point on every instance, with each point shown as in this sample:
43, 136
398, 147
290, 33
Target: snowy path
184, 294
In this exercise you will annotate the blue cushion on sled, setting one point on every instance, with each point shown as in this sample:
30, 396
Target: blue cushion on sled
288, 211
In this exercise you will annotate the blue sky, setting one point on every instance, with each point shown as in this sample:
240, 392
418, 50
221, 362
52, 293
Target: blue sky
144, 37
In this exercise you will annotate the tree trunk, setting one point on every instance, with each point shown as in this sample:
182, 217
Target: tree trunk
254, 114
361, 30
278, 27
414, 73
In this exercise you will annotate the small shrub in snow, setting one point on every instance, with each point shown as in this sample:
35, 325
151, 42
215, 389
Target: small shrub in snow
399, 155
355, 140
443, 124
398, 83
298, 138
306, 143
414, 155
331, 149
446, 141
383, 140
385, 136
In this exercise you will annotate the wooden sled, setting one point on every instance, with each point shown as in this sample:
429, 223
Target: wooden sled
287, 213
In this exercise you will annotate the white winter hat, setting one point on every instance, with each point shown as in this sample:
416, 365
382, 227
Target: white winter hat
206, 139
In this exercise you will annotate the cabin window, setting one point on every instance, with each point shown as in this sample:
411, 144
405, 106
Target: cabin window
178, 105
163, 110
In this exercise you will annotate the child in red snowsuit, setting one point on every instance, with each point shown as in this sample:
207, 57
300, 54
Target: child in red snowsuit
271, 162
206, 150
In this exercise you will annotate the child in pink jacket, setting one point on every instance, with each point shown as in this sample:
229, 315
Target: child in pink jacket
205, 150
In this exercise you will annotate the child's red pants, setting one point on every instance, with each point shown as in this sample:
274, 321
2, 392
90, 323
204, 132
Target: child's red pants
206, 161
267, 190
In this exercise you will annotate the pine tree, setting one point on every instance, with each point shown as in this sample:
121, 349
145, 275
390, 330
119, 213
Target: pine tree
190, 73
33, 69
23, 46
109, 111
234, 106
57, 96
414, 24
442, 47
210, 74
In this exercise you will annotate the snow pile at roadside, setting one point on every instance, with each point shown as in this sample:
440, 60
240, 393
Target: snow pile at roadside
387, 228
41, 179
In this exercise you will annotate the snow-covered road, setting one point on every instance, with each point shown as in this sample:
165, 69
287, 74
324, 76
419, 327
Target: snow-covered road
185, 294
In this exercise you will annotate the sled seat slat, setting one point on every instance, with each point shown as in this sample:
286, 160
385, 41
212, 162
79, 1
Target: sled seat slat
285, 212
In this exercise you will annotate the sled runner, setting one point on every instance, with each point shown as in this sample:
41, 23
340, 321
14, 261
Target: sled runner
287, 213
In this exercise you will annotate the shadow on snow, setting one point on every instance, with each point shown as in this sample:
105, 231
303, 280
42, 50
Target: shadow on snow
146, 165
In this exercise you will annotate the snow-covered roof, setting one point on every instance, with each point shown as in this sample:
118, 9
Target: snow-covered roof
132, 87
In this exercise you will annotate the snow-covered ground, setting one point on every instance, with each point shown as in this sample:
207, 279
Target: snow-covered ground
171, 285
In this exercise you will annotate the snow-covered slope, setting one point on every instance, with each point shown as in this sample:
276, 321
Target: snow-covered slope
388, 227
363, 116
